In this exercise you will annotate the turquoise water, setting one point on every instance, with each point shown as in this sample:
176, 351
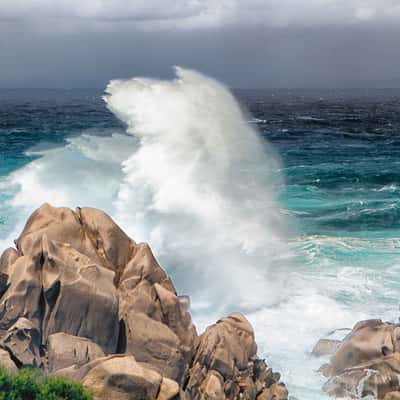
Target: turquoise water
340, 170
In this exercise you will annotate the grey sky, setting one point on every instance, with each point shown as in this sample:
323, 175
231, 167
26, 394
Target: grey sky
245, 43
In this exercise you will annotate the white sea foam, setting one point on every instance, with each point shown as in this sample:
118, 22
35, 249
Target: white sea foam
391, 188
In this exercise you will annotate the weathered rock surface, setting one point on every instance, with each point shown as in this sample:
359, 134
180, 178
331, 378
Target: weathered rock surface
225, 365
367, 362
157, 327
6, 361
22, 340
392, 396
79, 298
66, 351
121, 377
325, 347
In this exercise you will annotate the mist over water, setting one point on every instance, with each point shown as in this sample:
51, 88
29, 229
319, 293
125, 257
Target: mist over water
202, 189
304, 238
191, 177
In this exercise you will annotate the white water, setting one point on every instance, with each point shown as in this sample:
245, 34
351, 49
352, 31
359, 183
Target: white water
194, 179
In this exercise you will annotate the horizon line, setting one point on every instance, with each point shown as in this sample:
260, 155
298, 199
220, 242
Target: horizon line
230, 88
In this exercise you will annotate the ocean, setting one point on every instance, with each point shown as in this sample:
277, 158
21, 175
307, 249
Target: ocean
283, 204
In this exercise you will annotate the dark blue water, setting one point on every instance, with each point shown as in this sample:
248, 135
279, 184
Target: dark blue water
340, 153
32, 117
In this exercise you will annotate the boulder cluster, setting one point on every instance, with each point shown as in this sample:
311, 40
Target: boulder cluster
80, 299
366, 364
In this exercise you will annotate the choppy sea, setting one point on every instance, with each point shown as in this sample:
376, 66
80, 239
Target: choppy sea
337, 156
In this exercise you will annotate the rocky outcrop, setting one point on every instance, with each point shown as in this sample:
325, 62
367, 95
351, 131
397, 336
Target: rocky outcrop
366, 363
79, 298
225, 365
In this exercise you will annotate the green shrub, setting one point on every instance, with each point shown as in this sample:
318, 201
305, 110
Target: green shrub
5, 384
30, 384
57, 388
25, 385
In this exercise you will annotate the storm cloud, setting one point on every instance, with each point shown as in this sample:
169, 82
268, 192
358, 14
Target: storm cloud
245, 43
187, 14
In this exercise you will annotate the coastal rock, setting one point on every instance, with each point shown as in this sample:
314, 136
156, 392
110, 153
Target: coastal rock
392, 396
6, 361
8, 258
169, 390
122, 378
369, 340
375, 378
22, 341
66, 350
225, 364
277, 391
367, 362
325, 347
158, 329
154, 343
22, 297
89, 231
80, 299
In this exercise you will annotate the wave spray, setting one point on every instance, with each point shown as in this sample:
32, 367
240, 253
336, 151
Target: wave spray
192, 177
201, 183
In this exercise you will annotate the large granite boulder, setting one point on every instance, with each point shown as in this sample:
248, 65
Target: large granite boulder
366, 363
89, 231
225, 365
80, 299
123, 378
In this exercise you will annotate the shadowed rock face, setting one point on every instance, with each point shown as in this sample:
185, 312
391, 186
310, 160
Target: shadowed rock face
367, 362
79, 298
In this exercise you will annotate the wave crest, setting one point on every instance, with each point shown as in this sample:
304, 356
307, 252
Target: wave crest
192, 177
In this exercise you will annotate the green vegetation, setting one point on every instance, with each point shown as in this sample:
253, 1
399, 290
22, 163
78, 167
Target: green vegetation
30, 384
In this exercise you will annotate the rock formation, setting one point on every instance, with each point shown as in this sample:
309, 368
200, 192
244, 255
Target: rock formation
79, 298
366, 363
225, 365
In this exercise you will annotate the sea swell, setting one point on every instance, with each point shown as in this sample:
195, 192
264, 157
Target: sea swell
303, 236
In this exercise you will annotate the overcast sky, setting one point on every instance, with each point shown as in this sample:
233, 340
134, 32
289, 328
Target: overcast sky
245, 43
